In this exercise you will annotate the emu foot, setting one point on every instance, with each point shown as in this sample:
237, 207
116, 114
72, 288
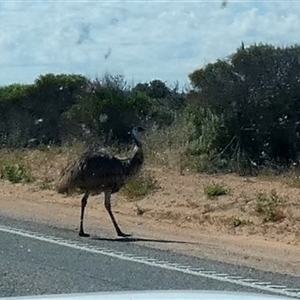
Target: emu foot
81, 233
120, 233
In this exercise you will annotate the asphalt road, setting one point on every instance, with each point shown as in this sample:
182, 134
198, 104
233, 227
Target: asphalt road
40, 259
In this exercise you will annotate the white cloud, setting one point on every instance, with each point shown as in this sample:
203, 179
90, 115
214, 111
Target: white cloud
143, 40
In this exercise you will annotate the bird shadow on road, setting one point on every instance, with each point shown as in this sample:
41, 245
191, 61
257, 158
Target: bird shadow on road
133, 240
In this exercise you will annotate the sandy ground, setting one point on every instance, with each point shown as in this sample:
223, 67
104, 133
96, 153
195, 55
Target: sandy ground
180, 217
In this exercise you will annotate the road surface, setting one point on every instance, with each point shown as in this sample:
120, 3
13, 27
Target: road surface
37, 258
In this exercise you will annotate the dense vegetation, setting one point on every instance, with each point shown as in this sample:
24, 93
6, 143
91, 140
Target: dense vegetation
242, 112
247, 107
57, 108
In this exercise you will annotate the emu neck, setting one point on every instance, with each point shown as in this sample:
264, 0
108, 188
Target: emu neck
136, 162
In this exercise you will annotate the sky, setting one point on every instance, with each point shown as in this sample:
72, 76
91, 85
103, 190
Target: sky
142, 40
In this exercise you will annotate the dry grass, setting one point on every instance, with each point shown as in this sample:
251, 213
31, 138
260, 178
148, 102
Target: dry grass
44, 164
163, 148
170, 191
140, 186
166, 147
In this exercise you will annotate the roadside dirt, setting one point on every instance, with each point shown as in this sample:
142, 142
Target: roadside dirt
180, 217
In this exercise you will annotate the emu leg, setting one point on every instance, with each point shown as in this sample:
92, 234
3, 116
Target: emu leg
83, 205
108, 208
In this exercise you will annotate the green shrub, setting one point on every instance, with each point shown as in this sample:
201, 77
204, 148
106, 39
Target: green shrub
140, 186
254, 127
46, 186
16, 173
237, 221
214, 190
270, 206
140, 211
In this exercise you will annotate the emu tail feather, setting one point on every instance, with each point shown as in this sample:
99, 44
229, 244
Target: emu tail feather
64, 185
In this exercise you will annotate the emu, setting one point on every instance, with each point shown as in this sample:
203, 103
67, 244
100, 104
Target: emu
99, 172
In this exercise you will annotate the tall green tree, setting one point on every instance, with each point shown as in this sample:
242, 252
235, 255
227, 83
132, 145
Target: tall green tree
33, 112
256, 90
110, 98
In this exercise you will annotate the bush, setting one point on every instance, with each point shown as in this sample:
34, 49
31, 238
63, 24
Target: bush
31, 114
214, 190
248, 119
46, 186
238, 222
109, 98
140, 186
16, 173
270, 206
140, 211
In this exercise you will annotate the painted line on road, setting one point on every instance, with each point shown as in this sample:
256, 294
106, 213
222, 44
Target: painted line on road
210, 274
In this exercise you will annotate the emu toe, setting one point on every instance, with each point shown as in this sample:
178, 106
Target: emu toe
83, 234
123, 234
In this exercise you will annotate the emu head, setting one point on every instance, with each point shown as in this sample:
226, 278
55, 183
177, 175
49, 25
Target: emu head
136, 132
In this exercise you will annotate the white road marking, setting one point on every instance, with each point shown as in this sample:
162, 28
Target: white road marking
245, 282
